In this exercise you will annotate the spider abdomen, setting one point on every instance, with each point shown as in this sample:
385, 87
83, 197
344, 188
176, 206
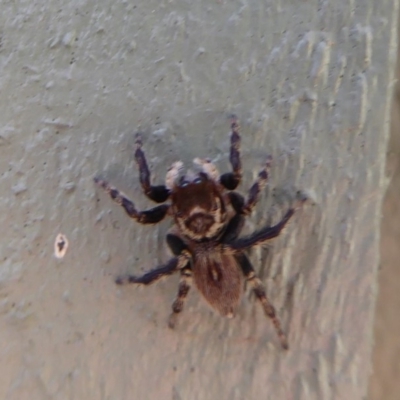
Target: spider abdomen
219, 280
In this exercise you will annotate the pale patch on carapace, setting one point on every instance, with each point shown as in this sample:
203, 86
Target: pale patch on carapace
173, 174
208, 168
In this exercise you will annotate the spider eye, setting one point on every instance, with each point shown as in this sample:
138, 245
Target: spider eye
184, 184
198, 180
202, 177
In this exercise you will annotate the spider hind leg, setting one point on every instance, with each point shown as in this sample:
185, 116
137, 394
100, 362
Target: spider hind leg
177, 246
183, 290
259, 291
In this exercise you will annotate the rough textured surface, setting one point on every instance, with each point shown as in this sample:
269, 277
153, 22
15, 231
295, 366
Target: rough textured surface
311, 82
385, 382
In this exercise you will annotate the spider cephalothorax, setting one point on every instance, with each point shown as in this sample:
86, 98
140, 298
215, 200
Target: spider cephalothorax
208, 216
197, 205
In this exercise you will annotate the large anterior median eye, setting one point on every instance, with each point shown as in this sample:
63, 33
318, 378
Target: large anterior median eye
182, 182
202, 177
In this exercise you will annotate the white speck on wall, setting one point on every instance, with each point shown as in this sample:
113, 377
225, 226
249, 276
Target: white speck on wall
60, 245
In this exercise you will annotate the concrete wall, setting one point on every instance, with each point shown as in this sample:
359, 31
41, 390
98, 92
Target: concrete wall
311, 83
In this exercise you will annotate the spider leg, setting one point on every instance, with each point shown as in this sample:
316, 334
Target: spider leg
183, 290
151, 216
246, 207
259, 291
156, 193
231, 180
258, 186
173, 265
261, 236
233, 229
177, 246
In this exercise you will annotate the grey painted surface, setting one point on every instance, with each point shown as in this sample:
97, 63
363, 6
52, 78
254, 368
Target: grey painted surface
384, 382
310, 82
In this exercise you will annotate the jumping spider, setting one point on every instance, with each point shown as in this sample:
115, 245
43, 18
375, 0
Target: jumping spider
208, 216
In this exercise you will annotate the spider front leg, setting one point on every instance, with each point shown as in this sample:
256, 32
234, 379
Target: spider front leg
231, 180
259, 291
151, 216
160, 193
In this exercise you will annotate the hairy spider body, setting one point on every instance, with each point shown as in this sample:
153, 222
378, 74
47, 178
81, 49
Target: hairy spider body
218, 278
208, 216
199, 208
